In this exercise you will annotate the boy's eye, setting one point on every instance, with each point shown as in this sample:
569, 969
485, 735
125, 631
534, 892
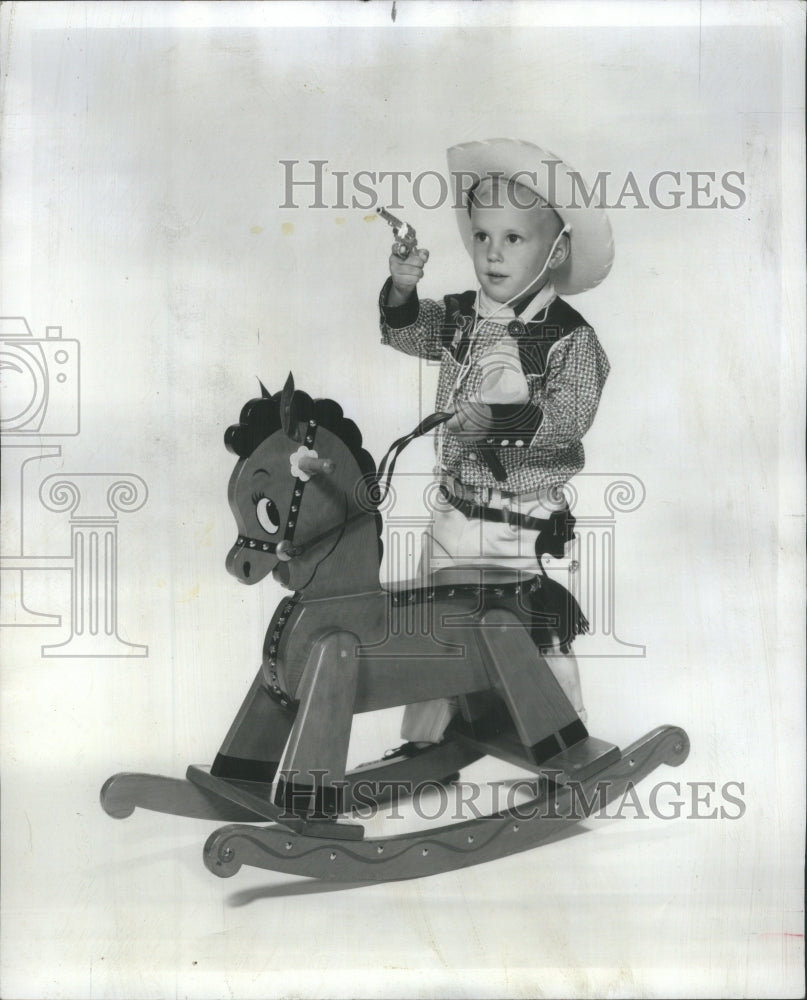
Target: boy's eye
513, 238
480, 237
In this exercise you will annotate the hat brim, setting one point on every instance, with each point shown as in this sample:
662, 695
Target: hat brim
592, 242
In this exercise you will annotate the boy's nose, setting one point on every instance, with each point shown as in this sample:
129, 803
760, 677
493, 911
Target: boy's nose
494, 253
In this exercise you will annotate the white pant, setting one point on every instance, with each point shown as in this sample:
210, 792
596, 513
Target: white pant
456, 540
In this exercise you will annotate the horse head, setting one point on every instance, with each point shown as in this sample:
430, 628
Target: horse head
302, 480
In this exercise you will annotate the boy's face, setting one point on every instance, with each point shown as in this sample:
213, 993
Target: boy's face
511, 243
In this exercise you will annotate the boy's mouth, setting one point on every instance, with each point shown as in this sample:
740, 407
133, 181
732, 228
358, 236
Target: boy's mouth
496, 275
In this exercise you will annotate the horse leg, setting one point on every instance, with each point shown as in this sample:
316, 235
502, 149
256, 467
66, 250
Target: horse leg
544, 718
549, 735
313, 776
252, 749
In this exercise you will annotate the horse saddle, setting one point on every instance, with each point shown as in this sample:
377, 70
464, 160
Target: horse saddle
545, 606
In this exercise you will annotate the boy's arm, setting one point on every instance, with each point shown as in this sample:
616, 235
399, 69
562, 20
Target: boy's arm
570, 394
561, 405
407, 323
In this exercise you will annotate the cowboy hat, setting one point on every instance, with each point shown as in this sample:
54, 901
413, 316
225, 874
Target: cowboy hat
543, 173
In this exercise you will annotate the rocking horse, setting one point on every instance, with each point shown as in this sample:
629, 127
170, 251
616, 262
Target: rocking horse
305, 496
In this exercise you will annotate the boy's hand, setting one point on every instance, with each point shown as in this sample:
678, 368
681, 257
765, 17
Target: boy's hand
405, 275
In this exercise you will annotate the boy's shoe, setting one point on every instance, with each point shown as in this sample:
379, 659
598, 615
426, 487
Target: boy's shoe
408, 749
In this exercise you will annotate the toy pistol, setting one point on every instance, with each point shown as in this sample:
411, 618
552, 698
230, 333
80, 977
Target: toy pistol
406, 242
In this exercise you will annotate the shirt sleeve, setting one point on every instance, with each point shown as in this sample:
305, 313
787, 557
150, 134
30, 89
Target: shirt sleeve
414, 327
514, 421
569, 393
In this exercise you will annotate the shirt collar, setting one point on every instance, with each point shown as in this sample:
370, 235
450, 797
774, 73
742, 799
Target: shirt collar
526, 311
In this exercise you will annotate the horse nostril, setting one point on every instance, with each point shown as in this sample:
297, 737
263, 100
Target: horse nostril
247, 568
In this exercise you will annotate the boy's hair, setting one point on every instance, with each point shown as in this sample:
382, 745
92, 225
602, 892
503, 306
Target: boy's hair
518, 195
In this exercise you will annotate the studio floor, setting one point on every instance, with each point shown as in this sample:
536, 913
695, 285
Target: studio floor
631, 905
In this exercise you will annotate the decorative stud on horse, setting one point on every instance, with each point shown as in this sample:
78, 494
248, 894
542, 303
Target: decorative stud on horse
305, 496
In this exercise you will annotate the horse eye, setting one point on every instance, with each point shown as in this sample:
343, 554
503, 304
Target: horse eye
268, 517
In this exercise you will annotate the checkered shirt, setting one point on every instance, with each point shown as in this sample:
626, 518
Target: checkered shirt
565, 368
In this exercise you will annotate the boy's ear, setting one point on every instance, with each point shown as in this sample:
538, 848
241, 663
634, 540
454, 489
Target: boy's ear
561, 251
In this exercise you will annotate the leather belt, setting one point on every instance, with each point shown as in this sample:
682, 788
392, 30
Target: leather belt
553, 531
500, 514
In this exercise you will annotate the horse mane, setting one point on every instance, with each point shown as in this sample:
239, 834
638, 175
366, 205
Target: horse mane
261, 417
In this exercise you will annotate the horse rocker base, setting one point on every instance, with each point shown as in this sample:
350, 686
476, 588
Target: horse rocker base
343, 645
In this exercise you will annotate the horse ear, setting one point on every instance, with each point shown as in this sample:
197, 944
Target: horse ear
265, 394
288, 416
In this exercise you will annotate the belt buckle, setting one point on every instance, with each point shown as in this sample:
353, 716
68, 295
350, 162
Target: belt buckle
469, 494
479, 496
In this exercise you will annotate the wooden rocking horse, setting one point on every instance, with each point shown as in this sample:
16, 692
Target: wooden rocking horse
305, 496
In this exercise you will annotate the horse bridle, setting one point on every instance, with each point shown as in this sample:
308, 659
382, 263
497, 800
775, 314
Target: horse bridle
285, 549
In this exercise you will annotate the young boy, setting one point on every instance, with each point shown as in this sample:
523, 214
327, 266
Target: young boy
519, 368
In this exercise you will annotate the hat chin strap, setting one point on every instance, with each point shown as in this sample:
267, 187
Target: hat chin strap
505, 305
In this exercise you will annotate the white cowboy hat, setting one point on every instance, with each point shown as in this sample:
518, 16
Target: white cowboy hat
592, 243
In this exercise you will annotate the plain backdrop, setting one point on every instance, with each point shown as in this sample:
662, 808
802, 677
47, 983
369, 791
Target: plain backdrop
141, 201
